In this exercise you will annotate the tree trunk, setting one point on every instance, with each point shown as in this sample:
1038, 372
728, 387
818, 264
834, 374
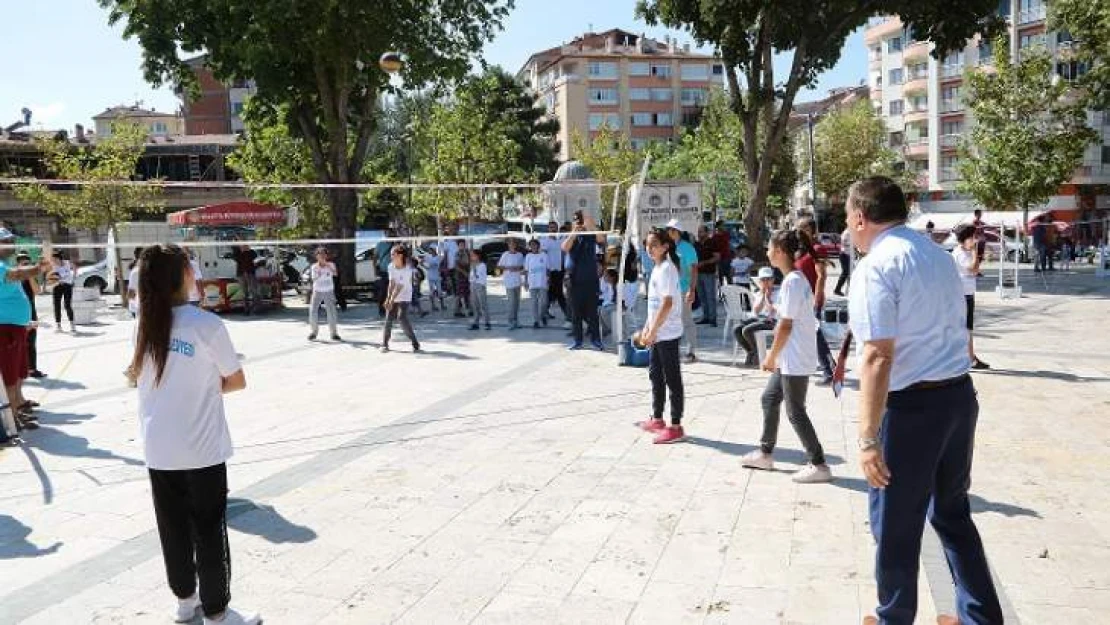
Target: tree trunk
344, 206
113, 236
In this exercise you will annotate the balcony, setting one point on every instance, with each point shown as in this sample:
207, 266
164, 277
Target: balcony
880, 29
914, 148
922, 180
916, 115
1031, 16
949, 142
916, 83
916, 50
951, 71
951, 106
949, 174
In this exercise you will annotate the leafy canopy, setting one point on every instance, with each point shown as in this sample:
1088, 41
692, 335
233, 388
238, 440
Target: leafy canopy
1030, 132
1088, 21
849, 144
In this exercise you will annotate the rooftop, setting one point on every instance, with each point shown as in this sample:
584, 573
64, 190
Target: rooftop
614, 42
124, 111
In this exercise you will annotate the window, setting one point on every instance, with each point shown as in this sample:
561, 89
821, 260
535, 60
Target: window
662, 95
694, 97
895, 76
639, 94
236, 108
1106, 155
601, 69
550, 101
920, 70
894, 45
600, 120
661, 71
664, 119
1071, 70
639, 144
639, 68
986, 53
694, 72
919, 103
952, 128
1064, 39
718, 69
641, 119
158, 128
691, 119
1028, 41
895, 107
599, 95
897, 139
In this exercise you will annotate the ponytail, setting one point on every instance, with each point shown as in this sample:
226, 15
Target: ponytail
162, 271
664, 239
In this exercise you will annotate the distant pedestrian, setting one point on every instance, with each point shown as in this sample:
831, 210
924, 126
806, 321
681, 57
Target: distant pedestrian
816, 273
462, 280
790, 361
511, 264
846, 254
723, 244
709, 259
688, 280
132, 296
741, 266
322, 275
608, 300
62, 270
183, 364
662, 332
196, 289
399, 297
552, 247
536, 276
433, 268
966, 256
478, 280
15, 319
917, 407
245, 272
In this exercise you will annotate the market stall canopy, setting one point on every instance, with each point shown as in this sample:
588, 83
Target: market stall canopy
948, 221
230, 214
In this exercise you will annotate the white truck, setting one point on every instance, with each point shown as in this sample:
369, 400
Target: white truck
103, 274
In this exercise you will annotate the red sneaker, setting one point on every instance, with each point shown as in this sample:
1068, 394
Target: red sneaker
671, 434
653, 425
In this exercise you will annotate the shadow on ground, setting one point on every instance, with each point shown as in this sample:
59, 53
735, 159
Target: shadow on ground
978, 504
792, 456
243, 515
14, 543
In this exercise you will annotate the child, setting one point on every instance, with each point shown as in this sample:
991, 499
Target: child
608, 300
322, 275
478, 277
968, 261
399, 297
417, 279
662, 333
511, 264
462, 282
741, 265
1067, 252
765, 312
791, 360
183, 364
535, 278
132, 287
63, 290
432, 272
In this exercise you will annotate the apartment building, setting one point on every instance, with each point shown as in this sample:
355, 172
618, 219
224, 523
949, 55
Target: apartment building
647, 89
218, 110
922, 101
156, 123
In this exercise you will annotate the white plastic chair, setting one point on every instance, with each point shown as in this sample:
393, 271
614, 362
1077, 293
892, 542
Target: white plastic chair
764, 339
738, 308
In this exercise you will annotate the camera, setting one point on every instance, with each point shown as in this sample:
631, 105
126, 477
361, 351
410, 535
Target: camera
579, 218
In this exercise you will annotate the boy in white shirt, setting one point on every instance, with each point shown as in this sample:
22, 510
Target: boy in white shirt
535, 278
766, 313
741, 265
433, 267
608, 300
511, 264
322, 274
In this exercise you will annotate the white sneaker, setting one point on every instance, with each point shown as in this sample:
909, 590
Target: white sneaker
235, 617
58, 327
757, 460
72, 327
186, 609
813, 474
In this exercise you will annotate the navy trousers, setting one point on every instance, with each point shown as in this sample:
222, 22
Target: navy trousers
927, 438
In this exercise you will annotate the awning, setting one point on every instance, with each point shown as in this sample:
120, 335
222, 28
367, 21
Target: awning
229, 214
948, 221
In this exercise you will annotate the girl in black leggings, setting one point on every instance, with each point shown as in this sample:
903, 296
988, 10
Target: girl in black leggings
63, 290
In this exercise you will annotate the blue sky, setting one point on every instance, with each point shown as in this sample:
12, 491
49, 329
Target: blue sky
67, 70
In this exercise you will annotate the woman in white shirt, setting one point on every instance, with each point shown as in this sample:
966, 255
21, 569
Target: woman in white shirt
967, 259
399, 297
183, 364
511, 264
477, 279
322, 274
791, 360
61, 268
535, 278
662, 332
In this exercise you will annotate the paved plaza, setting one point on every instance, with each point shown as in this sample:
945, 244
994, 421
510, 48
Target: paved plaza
498, 479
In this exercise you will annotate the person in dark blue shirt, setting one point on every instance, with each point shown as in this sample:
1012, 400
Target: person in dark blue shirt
581, 251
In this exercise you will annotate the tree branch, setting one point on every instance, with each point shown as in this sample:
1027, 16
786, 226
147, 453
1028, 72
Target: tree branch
365, 131
312, 138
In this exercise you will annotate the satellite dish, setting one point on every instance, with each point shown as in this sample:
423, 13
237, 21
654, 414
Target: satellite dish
26, 116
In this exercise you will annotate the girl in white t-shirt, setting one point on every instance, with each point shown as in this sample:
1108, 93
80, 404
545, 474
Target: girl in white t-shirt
399, 297
322, 275
478, 278
433, 267
183, 364
535, 279
790, 360
62, 269
662, 332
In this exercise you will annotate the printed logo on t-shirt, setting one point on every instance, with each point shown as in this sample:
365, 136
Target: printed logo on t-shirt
184, 348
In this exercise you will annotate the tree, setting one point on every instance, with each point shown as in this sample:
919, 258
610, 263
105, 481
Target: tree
850, 143
503, 97
610, 157
748, 33
111, 159
1029, 136
1089, 24
319, 58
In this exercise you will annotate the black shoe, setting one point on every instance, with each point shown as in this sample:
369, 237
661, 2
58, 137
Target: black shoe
704, 322
335, 337
473, 326
312, 337
979, 365
838, 293
489, 327
536, 325
37, 374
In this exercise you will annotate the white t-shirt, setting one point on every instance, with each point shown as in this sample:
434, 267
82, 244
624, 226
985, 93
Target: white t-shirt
402, 276
431, 267
964, 260
608, 295
182, 421
665, 283
740, 267
133, 285
795, 302
65, 272
551, 247
511, 279
846, 242
450, 251
535, 265
479, 274
194, 292
323, 278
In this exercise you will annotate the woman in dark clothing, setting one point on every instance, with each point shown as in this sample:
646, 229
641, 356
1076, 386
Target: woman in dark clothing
31, 288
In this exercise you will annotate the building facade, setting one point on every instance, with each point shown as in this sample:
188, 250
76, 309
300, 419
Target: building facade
646, 89
218, 109
922, 101
157, 124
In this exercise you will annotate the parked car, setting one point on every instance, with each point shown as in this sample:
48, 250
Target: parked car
99, 275
827, 245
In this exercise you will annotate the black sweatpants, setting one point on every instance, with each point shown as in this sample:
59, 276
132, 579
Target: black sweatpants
191, 509
63, 292
555, 294
665, 373
583, 303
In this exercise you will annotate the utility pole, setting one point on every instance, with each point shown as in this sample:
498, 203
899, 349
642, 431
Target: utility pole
812, 167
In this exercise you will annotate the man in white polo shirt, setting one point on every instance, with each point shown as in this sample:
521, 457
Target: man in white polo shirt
917, 408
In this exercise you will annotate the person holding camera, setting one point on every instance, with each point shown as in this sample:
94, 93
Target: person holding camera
581, 251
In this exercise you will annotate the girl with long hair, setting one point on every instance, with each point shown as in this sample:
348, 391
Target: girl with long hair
662, 332
399, 297
63, 270
183, 364
790, 360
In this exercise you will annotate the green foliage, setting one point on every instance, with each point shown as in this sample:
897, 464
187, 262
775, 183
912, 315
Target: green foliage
1029, 136
748, 33
849, 144
112, 158
609, 155
1088, 21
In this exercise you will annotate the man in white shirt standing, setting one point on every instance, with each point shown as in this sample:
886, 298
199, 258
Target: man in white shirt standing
511, 264
917, 406
552, 246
